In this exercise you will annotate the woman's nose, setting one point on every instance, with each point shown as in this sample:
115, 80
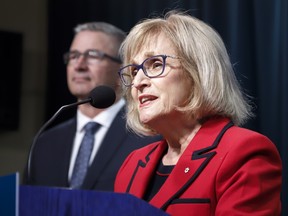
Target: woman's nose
140, 79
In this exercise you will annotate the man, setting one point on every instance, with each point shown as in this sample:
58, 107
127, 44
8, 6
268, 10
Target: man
92, 61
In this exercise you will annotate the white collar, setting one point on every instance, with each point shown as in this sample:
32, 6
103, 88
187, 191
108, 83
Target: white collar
104, 118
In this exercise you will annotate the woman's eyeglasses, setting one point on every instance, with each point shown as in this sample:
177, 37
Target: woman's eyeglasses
152, 67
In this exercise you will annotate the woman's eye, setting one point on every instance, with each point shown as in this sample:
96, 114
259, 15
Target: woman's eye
157, 65
134, 72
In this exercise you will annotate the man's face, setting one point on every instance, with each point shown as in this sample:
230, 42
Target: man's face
82, 74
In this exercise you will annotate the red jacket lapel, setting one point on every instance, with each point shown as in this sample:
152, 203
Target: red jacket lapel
144, 167
193, 161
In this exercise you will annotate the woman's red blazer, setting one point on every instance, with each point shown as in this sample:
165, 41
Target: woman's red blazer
225, 170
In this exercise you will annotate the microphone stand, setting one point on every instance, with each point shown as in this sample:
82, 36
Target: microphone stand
65, 107
100, 97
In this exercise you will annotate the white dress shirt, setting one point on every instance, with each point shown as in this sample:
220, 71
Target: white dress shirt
105, 119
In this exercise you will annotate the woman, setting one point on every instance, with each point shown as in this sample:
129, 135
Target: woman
180, 83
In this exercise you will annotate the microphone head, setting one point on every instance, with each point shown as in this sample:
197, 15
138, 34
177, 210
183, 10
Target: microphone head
102, 97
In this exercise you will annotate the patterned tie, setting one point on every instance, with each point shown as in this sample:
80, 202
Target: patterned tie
83, 156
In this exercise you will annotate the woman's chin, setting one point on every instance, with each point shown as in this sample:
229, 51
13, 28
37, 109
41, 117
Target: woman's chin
145, 119
149, 120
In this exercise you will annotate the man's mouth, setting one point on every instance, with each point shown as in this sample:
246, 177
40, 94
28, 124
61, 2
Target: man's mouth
81, 79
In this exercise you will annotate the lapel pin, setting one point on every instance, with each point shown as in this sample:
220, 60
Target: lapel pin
186, 170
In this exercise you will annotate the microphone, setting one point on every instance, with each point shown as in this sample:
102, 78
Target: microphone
100, 97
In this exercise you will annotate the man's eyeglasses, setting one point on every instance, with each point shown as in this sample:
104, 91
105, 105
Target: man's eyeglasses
152, 67
91, 56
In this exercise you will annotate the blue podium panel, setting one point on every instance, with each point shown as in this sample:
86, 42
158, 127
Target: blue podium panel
9, 188
49, 201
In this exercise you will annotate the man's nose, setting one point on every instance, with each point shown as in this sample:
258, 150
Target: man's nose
81, 61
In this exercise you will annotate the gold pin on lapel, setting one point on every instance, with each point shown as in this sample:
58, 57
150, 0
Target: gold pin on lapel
186, 170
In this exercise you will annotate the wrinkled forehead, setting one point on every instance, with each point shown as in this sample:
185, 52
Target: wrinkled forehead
145, 43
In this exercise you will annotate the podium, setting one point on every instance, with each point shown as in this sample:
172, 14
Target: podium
27, 200
50, 201
9, 195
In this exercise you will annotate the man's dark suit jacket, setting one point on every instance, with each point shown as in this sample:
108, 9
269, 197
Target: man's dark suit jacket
51, 156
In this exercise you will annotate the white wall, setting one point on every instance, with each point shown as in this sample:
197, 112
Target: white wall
29, 18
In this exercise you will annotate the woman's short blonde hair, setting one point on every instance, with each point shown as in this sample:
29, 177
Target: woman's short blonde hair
215, 90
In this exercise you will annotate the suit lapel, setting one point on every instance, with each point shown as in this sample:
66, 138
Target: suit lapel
111, 142
60, 141
68, 140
